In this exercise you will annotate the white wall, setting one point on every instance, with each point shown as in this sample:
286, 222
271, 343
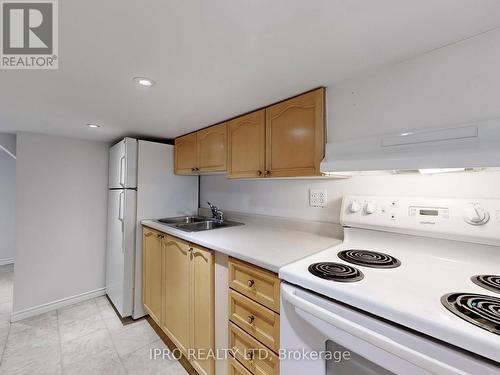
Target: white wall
290, 198
7, 207
61, 218
455, 84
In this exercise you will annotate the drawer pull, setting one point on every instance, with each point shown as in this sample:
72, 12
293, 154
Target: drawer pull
250, 355
251, 283
250, 319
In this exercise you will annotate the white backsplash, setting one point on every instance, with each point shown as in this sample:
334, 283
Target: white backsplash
290, 198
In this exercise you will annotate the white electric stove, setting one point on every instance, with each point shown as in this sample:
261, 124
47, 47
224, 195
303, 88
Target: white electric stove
413, 289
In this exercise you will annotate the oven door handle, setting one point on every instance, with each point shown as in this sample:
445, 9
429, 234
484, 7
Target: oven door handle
418, 359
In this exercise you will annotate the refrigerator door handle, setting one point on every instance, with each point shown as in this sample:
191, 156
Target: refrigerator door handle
120, 207
122, 171
121, 216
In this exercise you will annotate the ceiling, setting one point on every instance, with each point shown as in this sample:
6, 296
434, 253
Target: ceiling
213, 60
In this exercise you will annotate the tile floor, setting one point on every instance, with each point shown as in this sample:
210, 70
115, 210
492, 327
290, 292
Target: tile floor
86, 338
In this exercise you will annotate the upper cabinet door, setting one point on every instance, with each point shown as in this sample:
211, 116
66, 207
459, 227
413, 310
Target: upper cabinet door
185, 154
212, 148
295, 136
246, 145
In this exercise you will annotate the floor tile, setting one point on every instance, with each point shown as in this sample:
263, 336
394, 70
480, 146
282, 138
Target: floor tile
89, 345
85, 338
115, 324
141, 362
85, 310
105, 363
133, 338
33, 333
31, 360
77, 328
105, 307
43, 321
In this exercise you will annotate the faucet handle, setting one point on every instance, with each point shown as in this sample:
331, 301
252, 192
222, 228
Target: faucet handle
214, 209
220, 215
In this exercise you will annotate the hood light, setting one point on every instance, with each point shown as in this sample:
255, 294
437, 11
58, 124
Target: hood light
440, 170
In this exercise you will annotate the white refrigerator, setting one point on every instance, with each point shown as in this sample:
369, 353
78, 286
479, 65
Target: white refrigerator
142, 185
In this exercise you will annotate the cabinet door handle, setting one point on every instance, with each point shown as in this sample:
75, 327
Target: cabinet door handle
250, 319
250, 283
267, 173
250, 355
193, 169
259, 173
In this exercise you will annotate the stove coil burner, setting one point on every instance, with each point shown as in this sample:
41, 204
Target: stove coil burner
368, 258
336, 272
478, 309
490, 282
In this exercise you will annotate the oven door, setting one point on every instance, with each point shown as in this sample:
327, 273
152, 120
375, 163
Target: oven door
322, 337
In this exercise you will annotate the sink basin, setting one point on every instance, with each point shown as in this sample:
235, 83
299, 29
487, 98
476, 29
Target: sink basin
196, 223
183, 220
206, 225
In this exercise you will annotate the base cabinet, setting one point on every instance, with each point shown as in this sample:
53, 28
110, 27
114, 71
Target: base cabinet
179, 294
203, 306
254, 320
152, 273
176, 264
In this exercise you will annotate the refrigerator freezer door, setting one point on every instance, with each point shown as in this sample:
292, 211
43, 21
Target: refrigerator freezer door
160, 193
123, 164
120, 251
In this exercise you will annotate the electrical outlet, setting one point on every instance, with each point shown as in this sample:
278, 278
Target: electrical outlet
318, 197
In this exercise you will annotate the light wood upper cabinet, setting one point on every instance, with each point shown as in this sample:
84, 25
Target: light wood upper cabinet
203, 306
176, 320
185, 154
211, 148
246, 145
295, 135
286, 139
152, 255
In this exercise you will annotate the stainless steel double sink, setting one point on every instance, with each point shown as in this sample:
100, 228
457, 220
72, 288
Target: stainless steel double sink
197, 223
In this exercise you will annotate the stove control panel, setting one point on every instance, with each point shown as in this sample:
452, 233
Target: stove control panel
476, 220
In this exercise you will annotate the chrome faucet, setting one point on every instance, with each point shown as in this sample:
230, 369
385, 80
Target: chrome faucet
216, 213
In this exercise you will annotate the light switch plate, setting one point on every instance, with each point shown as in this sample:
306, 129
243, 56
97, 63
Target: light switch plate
318, 197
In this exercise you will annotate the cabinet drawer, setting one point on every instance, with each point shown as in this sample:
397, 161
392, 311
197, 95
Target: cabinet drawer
258, 284
255, 319
258, 359
236, 368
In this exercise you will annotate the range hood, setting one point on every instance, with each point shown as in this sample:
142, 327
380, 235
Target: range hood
472, 145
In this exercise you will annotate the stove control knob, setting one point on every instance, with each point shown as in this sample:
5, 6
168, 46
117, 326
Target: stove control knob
370, 208
476, 215
354, 207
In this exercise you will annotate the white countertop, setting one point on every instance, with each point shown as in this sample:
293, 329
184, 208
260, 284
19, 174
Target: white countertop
267, 247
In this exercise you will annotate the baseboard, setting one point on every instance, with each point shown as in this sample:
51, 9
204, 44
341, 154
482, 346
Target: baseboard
5, 261
50, 306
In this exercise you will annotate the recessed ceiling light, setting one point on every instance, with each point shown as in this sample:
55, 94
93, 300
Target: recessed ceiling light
93, 126
143, 81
